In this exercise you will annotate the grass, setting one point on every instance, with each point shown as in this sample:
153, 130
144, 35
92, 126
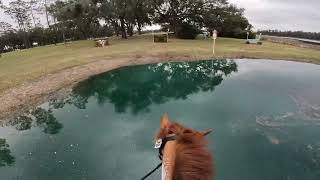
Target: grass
20, 66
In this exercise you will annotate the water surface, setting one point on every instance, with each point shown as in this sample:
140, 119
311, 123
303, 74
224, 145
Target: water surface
265, 116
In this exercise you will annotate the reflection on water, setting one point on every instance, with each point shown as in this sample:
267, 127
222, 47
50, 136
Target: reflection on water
266, 117
38, 117
6, 159
138, 87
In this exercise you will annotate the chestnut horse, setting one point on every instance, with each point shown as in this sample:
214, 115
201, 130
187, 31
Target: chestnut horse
186, 157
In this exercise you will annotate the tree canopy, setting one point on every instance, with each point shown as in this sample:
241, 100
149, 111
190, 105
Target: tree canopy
82, 19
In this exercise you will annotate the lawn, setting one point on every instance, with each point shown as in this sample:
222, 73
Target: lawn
20, 66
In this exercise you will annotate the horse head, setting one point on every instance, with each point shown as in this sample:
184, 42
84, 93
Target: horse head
185, 156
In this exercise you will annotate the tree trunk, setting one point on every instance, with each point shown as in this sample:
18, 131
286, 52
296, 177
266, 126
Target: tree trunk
32, 15
139, 28
123, 28
64, 37
116, 27
26, 40
46, 10
57, 28
130, 29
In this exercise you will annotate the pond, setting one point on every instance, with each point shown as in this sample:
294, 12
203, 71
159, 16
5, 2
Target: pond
265, 115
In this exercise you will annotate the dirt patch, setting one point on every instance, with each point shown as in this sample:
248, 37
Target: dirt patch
32, 93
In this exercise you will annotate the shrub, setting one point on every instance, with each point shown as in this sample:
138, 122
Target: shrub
188, 31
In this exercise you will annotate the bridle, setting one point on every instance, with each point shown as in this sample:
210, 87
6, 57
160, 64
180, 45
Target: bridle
160, 144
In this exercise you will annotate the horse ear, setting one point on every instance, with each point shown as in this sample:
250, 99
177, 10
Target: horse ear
204, 133
164, 121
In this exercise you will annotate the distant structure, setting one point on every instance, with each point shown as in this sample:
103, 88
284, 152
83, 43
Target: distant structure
254, 41
206, 35
101, 42
161, 36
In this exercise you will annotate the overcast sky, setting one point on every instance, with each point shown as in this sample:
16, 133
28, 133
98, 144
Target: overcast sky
282, 14
269, 14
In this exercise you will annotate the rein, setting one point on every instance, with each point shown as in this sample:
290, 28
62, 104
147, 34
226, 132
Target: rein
160, 144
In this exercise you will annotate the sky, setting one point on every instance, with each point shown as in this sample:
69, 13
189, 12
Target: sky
282, 14
267, 14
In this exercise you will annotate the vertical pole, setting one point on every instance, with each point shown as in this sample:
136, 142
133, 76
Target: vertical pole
212, 65
168, 35
153, 35
213, 47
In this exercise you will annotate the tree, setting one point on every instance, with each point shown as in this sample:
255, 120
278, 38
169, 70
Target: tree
115, 13
187, 31
19, 11
79, 16
175, 13
142, 13
227, 19
125, 15
120, 12
5, 27
45, 4
34, 8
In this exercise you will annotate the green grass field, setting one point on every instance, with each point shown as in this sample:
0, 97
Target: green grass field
20, 66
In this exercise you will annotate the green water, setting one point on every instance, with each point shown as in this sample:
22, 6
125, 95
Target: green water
265, 116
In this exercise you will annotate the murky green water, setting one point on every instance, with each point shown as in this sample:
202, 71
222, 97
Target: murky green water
266, 117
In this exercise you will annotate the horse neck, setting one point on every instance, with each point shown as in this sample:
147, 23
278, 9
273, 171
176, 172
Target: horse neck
193, 161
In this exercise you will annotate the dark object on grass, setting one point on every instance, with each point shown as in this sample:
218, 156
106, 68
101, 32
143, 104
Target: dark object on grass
161, 38
188, 31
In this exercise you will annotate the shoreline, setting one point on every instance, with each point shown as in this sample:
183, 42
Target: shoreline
36, 92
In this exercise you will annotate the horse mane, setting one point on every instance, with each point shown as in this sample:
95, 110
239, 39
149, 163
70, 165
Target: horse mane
193, 160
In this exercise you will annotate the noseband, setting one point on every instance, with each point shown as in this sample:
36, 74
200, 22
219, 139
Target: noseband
160, 144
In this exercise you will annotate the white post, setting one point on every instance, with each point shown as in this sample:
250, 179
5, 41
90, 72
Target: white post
214, 37
168, 35
153, 35
248, 35
214, 44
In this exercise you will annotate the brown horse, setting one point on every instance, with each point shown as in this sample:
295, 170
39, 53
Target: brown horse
186, 157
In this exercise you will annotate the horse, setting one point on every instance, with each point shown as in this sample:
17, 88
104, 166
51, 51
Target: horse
185, 155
